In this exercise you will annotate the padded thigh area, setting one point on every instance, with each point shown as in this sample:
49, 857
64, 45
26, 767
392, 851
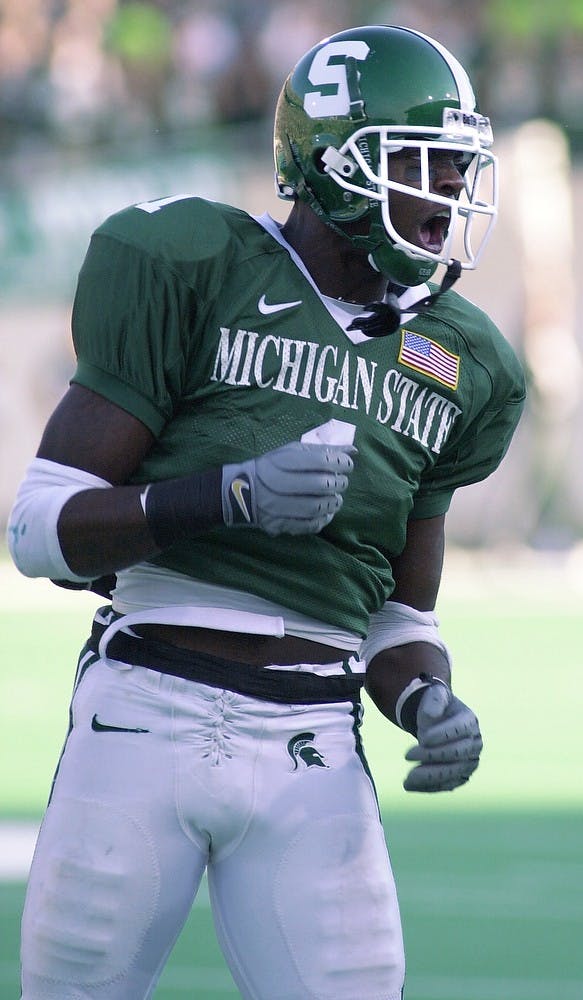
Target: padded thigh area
91, 904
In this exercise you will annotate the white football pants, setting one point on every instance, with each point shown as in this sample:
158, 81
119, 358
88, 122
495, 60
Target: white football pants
161, 778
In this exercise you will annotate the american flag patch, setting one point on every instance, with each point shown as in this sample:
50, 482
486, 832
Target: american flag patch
429, 358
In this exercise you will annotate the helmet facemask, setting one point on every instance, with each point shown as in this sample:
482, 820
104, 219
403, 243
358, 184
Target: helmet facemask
362, 167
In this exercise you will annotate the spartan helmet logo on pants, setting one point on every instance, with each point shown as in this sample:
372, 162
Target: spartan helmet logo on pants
301, 748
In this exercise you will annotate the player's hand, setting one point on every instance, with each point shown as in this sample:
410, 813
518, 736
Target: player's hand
449, 744
296, 489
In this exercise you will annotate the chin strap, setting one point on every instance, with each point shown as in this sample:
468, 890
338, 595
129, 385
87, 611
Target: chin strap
386, 316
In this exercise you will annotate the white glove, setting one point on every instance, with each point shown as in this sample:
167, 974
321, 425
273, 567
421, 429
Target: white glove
296, 489
449, 742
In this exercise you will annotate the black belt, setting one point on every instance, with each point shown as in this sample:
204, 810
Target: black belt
291, 687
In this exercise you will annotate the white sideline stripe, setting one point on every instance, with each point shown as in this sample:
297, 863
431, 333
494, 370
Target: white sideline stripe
466, 987
17, 840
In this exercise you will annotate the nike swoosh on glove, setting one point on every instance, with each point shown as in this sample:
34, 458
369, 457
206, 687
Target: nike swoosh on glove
296, 489
449, 744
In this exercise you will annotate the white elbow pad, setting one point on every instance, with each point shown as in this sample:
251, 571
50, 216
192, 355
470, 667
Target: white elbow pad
398, 624
32, 526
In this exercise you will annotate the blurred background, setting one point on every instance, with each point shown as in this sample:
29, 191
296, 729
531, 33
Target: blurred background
108, 102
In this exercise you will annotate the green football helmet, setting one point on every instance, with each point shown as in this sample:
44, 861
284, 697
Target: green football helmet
356, 98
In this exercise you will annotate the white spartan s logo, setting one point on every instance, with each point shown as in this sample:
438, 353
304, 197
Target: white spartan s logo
301, 748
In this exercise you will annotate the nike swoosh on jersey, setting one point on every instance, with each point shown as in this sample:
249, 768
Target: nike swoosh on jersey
101, 727
237, 487
267, 308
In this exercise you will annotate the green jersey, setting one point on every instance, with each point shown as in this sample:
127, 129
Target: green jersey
194, 318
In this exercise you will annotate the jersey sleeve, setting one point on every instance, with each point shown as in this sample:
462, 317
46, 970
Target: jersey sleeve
484, 438
139, 302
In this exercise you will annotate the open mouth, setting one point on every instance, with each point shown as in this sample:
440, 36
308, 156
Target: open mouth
433, 232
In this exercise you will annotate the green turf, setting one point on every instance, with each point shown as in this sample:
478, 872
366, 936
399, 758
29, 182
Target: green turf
491, 907
490, 877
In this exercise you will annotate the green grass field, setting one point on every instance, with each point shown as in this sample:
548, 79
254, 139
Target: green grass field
490, 876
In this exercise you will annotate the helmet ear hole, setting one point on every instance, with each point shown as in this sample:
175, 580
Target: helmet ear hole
318, 159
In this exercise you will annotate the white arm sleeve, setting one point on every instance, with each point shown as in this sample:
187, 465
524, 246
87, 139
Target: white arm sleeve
398, 624
32, 526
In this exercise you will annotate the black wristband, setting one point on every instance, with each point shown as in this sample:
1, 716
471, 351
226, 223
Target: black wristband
180, 508
409, 711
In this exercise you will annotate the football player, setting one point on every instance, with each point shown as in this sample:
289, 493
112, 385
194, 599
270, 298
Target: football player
260, 443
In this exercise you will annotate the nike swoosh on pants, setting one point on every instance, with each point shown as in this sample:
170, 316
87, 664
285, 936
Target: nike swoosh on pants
102, 727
